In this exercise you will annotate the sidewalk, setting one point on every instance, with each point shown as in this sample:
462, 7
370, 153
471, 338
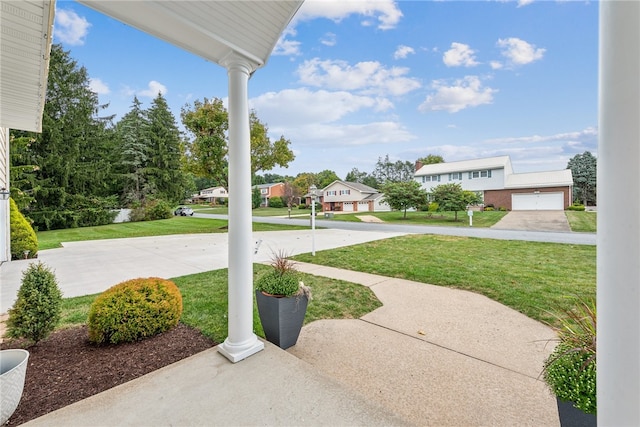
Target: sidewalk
429, 356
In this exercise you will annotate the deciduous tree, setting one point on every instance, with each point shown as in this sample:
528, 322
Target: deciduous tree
452, 198
584, 170
404, 195
388, 171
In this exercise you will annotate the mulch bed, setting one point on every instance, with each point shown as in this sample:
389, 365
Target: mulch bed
66, 368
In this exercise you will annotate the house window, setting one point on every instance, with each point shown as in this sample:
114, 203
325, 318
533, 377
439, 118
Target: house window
455, 176
480, 174
343, 192
264, 191
431, 178
331, 193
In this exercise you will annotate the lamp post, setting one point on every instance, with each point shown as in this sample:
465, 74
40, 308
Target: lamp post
312, 192
4, 194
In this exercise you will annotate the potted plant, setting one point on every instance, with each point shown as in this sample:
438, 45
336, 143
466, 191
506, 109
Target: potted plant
13, 369
570, 371
282, 301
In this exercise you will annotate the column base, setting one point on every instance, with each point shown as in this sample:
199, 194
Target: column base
236, 353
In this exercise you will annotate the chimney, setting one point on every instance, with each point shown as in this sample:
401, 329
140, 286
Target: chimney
418, 165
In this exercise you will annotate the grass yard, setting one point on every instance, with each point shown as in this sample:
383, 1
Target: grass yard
223, 210
164, 227
204, 298
536, 279
480, 219
582, 221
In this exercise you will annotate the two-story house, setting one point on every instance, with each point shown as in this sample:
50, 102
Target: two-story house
268, 191
493, 178
211, 195
352, 197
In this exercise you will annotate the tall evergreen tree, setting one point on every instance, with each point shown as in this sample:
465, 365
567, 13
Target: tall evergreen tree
72, 154
164, 174
133, 134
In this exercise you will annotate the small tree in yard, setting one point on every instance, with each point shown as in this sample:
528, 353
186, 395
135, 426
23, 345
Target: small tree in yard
36, 312
452, 198
404, 195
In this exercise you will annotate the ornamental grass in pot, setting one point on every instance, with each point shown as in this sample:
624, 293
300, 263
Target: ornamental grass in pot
282, 301
570, 371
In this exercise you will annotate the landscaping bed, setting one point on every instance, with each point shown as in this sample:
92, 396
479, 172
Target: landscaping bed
66, 368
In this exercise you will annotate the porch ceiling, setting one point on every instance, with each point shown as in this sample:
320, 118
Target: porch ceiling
212, 30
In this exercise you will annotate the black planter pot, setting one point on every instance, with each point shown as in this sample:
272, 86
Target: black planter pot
570, 416
281, 318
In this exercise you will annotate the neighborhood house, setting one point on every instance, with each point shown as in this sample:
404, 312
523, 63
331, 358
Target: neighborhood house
268, 191
351, 197
211, 195
493, 178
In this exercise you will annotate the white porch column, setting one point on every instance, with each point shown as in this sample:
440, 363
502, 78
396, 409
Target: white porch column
241, 342
618, 239
5, 226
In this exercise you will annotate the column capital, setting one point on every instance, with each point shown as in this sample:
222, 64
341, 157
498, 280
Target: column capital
238, 62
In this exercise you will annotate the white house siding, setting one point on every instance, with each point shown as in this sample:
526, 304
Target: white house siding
353, 195
379, 206
495, 182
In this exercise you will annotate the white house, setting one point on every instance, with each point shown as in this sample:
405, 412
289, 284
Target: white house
499, 186
210, 195
352, 197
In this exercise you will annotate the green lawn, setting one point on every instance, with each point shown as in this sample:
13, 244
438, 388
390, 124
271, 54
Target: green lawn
480, 219
176, 225
582, 221
223, 210
204, 298
530, 277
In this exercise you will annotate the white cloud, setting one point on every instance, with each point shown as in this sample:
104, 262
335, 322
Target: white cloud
306, 106
285, 46
460, 54
70, 28
329, 39
152, 90
586, 134
385, 13
368, 77
403, 51
496, 65
519, 52
99, 87
464, 93
522, 3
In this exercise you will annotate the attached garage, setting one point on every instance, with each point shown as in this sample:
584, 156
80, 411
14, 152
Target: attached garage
537, 201
347, 207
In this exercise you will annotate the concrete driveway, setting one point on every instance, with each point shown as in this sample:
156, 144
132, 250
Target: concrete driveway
534, 221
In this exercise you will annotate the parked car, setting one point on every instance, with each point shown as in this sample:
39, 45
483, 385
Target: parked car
183, 211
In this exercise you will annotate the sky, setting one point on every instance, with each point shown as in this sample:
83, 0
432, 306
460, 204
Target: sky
351, 81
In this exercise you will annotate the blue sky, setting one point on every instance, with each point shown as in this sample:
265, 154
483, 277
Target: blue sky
352, 81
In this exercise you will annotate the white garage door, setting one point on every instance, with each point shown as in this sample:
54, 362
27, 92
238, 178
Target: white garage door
537, 201
347, 206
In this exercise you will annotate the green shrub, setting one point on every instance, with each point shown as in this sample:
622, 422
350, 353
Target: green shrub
276, 202
502, 209
23, 238
134, 310
151, 210
488, 209
302, 206
433, 207
36, 311
576, 207
571, 376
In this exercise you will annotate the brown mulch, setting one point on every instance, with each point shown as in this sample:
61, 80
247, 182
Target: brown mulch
66, 368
